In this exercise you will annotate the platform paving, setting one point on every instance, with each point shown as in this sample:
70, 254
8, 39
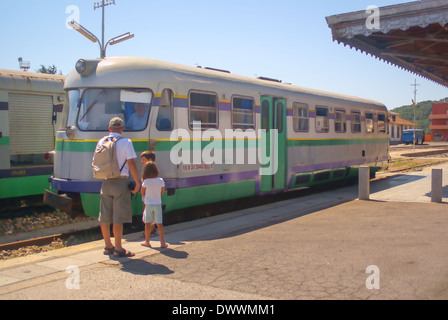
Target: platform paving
320, 246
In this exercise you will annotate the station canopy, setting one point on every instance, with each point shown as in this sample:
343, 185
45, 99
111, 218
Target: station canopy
412, 36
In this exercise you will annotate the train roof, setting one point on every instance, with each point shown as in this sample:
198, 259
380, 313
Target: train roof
31, 81
137, 67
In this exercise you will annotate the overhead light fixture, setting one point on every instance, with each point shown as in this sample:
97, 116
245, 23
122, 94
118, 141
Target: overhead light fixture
86, 33
120, 38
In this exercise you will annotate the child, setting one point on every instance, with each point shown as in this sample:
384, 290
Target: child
147, 156
153, 188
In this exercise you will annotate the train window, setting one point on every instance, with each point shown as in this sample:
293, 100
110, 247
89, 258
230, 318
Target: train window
72, 102
382, 122
243, 113
369, 122
340, 125
279, 114
165, 117
322, 124
300, 117
98, 106
355, 119
265, 115
204, 108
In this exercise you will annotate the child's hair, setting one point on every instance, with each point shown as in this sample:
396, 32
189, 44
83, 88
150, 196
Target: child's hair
150, 171
148, 155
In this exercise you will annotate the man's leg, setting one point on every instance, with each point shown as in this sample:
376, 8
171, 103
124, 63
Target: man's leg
105, 230
118, 235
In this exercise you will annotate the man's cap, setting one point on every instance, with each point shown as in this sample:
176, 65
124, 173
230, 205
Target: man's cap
116, 122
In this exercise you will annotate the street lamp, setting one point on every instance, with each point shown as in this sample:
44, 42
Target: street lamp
120, 38
89, 35
86, 33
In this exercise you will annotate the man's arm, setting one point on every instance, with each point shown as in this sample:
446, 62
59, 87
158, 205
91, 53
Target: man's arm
134, 172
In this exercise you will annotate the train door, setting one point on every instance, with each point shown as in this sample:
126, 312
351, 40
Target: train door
273, 117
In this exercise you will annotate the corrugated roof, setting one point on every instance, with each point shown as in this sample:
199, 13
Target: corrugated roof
412, 36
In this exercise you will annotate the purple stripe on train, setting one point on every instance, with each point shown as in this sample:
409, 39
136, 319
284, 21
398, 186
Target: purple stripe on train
210, 179
224, 106
170, 183
332, 165
329, 166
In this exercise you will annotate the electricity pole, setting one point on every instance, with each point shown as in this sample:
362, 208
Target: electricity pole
414, 102
103, 4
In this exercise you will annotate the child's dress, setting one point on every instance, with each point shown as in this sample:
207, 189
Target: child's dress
153, 200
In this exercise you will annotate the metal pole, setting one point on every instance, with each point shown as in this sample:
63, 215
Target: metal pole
364, 183
413, 140
436, 185
103, 48
414, 102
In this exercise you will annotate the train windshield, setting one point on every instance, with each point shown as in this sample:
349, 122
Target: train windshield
95, 108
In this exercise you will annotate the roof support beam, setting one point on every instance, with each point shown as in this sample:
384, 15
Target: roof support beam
409, 38
414, 55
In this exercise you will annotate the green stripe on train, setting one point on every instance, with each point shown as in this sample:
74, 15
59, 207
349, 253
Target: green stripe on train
182, 198
332, 142
23, 186
89, 146
4, 141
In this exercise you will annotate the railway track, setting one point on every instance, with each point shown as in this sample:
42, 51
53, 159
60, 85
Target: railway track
404, 159
35, 245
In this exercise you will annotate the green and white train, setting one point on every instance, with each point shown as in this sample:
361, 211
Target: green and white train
29, 107
320, 137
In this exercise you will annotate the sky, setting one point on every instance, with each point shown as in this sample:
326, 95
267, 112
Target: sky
282, 39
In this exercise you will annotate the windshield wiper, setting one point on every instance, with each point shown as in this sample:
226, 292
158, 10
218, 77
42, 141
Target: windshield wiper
92, 105
88, 110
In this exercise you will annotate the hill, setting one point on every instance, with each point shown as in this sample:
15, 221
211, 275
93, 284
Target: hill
423, 111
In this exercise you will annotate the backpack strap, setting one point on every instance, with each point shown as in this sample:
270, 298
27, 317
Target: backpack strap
123, 165
115, 140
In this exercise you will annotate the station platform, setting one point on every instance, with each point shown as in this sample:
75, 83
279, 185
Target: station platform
320, 246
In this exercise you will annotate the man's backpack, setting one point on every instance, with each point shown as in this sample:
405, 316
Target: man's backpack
105, 162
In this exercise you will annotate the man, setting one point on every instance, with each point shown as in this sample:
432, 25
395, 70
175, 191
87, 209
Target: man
139, 118
115, 197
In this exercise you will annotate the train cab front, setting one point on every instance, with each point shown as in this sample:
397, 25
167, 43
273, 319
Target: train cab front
87, 114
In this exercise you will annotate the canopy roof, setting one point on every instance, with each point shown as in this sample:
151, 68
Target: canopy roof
412, 36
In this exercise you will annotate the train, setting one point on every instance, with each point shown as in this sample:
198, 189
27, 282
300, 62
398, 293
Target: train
217, 136
30, 109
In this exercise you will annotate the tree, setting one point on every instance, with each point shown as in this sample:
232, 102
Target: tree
50, 69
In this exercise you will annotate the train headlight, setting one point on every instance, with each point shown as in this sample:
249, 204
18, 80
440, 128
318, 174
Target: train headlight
81, 66
86, 66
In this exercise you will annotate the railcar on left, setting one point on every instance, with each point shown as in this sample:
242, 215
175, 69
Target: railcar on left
30, 111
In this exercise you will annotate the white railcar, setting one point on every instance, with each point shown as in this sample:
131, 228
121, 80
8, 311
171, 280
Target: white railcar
257, 136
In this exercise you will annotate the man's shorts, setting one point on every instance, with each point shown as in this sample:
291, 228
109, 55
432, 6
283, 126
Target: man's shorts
115, 201
153, 214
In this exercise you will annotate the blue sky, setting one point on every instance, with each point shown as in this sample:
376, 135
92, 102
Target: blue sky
283, 39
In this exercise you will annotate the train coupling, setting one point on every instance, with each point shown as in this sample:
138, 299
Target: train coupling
58, 201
